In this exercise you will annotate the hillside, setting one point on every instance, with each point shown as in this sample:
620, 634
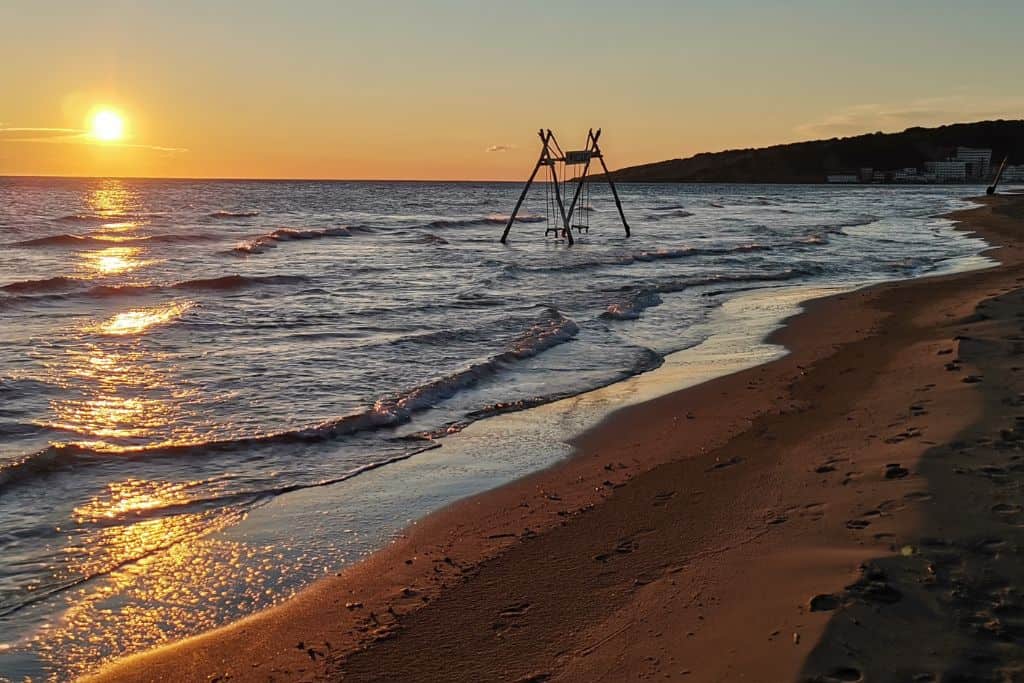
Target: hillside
811, 162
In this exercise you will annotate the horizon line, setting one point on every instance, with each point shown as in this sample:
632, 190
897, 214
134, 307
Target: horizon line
254, 179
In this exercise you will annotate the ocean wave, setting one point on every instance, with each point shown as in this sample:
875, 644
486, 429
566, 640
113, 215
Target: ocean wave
223, 283
234, 214
104, 240
668, 207
625, 259
631, 308
64, 288
57, 241
664, 215
492, 219
647, 360
259, 244
639, 299
550, 330
431, 238
678, 285
107, 218
683, 252
52, 284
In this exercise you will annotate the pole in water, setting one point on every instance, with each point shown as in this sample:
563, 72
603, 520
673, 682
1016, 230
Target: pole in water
999, 176
540, 161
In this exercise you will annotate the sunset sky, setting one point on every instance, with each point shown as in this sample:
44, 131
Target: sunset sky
457, 89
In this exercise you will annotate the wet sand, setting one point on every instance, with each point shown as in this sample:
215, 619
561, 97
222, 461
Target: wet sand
849, 512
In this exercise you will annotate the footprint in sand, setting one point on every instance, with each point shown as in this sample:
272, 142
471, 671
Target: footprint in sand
893, 470
663, 498
824, 602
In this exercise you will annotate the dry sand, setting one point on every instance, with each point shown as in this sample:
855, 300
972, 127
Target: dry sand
850, 512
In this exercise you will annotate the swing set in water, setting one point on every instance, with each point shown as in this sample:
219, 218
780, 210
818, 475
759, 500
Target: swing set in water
559, 219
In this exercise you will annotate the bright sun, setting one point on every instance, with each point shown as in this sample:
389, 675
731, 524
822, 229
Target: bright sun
107, 125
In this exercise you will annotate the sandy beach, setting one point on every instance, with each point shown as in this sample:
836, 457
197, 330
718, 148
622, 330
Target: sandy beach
849, 512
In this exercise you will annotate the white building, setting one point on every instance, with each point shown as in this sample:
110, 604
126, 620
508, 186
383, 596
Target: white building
947, 171
1013, 174
979, 161
907, 175
843, 178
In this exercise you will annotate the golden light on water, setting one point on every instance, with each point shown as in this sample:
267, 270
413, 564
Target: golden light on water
132, 496
122, 400
112, 416
112, 261
115, 395
112, 197
141, 319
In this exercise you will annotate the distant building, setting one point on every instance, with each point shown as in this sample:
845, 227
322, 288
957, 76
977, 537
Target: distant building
1013, 174
907, 175
843, 178
866, 175
947, 171
978, 161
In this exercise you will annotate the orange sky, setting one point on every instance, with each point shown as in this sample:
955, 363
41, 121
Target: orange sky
405, 89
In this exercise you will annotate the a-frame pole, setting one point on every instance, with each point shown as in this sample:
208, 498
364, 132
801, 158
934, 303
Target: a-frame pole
608, 175
558, 192
540, 161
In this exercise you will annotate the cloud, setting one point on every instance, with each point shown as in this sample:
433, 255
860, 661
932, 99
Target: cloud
38, 134
73, 136
500, 148
932, 111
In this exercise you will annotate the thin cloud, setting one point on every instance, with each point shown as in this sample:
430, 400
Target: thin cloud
500, 148
38, 134
73, 136
932, 111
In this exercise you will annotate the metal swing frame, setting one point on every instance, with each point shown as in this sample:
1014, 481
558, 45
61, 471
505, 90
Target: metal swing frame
551, 155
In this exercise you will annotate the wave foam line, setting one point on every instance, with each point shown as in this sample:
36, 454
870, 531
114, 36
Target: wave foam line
647, 297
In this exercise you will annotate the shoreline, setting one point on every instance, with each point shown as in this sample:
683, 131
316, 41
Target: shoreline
447, 556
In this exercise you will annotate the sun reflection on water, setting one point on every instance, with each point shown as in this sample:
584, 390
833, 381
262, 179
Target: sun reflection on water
122, 400
111, 261
112, 198
142, 319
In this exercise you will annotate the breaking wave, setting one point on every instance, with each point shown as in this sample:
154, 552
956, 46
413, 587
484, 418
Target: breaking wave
234, 214
550, 330
632, 307
269, 241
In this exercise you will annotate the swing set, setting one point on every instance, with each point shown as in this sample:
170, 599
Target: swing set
559, 219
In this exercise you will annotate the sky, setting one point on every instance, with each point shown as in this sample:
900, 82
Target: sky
456, 89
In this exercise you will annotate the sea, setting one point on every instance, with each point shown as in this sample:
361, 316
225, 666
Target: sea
213, 393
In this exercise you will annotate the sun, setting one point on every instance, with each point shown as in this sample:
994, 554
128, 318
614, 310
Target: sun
107, 125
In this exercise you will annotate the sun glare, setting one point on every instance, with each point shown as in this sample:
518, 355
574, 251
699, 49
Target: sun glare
107, 125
